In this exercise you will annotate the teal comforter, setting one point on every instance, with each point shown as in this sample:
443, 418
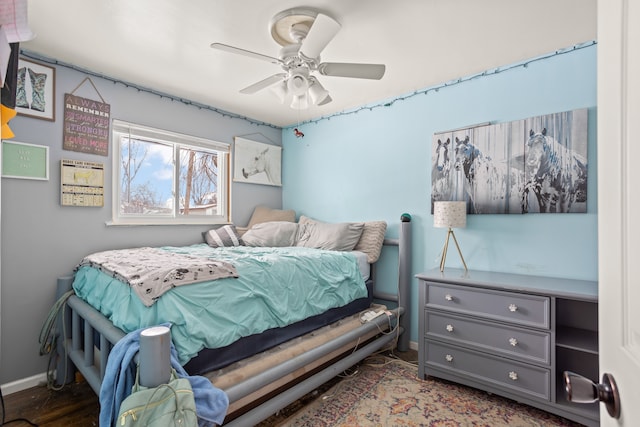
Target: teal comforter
275, 287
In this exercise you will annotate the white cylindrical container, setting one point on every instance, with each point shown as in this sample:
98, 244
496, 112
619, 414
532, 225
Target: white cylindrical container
155, 356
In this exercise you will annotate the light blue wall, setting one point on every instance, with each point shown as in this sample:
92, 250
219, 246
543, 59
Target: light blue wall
375, 164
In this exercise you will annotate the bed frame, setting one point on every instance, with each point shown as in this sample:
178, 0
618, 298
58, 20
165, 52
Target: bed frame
275, 379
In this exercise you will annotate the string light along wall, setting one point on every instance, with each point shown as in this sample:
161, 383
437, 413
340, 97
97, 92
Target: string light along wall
223, 113
371, 107
493, 71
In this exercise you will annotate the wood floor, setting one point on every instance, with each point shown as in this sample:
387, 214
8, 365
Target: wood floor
76, 405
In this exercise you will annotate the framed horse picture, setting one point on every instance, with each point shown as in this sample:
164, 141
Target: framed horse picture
257, 163
533, 165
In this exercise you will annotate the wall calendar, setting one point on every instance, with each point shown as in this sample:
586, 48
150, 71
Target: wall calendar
82, 183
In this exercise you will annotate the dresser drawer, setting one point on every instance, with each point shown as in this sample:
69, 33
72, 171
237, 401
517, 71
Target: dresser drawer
512, 307
494, 371
523, 344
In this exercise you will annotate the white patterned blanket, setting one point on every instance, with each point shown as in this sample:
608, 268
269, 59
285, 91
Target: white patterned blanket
151, 272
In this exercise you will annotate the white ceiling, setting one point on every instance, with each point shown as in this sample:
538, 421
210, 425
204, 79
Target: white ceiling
164, 44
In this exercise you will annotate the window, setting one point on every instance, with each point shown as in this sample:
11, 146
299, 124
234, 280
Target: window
152, 166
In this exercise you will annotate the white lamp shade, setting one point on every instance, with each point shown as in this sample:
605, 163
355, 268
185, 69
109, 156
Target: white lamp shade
450, 214
317, 93
300, 89
298, 84
280, 90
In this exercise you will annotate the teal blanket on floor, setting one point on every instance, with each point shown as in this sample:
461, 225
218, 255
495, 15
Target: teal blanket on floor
276, 287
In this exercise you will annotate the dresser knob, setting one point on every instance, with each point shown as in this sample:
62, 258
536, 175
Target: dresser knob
449, 358
448, 297
449, 328
513, 308
513, 341
513, 375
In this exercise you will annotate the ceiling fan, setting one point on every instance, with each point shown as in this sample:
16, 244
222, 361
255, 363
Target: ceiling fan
303, 33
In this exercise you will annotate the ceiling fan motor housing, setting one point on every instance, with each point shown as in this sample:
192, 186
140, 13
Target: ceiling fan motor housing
282, 25
299, 31
290, 57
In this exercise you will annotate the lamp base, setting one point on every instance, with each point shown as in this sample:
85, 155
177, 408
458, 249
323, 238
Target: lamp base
450, 233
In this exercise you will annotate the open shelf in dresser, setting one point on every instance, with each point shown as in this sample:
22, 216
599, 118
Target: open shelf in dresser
576, 348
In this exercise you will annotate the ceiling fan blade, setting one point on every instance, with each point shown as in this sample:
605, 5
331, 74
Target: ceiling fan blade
262, 84
245, 52
358, 71
323, 30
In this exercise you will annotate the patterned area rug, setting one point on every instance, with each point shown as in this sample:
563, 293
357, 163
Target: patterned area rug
386, 392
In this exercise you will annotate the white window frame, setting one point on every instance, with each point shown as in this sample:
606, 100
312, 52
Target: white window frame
176, 141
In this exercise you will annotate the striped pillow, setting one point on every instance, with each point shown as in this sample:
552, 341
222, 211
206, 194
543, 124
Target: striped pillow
223, 237
372, 240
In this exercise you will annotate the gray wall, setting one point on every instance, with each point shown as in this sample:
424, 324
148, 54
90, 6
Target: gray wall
42, 240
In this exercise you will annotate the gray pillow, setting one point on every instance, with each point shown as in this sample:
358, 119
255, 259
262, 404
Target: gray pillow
271, 234
321, 235
223, 237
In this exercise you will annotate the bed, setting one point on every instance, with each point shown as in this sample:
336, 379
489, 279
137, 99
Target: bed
276, 355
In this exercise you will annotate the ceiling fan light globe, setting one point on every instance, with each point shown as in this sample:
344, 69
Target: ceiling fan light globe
298, 84
280, 90
317, 93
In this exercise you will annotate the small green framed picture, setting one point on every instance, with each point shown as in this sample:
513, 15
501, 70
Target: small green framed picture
25, 161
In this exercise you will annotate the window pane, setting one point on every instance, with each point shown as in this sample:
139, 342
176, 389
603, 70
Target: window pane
147, 178
199, 182
168, 178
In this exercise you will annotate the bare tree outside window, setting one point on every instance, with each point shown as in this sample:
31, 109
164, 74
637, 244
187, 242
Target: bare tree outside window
141, 193
164, 177
198, 182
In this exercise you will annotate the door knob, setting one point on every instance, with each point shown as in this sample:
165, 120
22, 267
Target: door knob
582, 390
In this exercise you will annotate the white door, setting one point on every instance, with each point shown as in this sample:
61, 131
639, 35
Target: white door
619, 203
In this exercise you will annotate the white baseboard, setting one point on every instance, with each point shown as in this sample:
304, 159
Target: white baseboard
413, 345
23, 384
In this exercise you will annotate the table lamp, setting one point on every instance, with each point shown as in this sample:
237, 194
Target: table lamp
450, 215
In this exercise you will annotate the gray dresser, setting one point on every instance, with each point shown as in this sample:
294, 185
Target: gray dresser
512, 335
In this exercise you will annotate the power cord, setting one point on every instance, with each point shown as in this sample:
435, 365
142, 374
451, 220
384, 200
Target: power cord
47, 346
15, 420
48, 338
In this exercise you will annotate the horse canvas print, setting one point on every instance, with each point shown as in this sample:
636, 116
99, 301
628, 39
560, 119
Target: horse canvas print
257, 163
537, 164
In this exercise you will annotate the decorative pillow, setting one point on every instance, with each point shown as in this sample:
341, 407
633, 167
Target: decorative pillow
265, 214
306, 220
271, 234
321, 235
372, 240
223, 237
